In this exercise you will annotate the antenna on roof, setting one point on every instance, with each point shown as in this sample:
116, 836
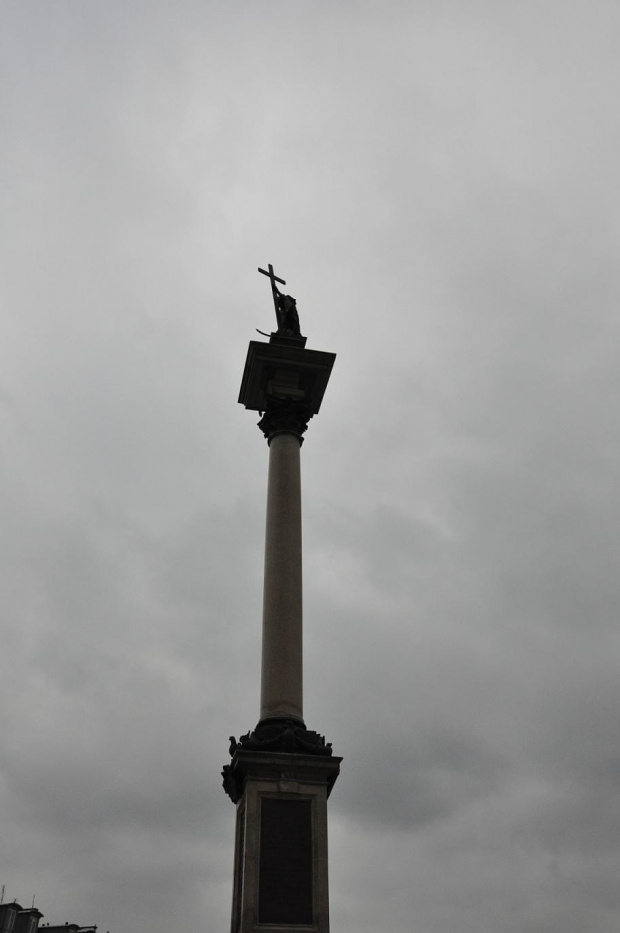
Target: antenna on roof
2, 895
33, 897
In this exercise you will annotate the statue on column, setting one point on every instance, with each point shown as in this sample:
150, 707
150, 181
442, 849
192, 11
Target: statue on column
286, 307
286, 313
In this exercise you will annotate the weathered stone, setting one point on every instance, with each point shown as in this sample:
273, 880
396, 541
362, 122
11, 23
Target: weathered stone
259, 777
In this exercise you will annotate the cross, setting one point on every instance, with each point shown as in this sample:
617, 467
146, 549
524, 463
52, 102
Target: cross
274, 288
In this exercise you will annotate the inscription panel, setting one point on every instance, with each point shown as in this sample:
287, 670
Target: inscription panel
285, 868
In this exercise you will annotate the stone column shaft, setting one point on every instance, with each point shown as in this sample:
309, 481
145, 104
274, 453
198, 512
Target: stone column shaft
281, 673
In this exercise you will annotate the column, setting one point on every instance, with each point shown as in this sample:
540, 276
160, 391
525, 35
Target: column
282, 652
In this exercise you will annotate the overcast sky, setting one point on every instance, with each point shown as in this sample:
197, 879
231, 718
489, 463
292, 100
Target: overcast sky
438, 183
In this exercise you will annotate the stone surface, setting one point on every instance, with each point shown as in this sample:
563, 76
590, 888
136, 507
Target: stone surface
280, 778
281, 670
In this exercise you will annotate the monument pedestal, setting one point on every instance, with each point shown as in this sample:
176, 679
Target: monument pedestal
281, 882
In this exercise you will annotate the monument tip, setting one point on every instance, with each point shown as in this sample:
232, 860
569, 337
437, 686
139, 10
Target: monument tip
287, 316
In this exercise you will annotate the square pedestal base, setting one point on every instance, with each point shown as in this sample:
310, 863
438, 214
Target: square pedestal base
281, 879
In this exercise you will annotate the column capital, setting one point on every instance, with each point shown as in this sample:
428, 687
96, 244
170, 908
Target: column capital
285, 416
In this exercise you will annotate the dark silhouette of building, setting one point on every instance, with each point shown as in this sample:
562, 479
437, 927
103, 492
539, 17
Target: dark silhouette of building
68, 928
16, 919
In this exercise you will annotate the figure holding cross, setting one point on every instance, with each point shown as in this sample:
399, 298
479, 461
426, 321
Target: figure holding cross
286, 307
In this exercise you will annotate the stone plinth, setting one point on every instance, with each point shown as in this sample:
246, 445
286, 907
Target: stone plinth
281, 880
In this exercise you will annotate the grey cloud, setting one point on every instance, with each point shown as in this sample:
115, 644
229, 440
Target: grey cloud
437, 185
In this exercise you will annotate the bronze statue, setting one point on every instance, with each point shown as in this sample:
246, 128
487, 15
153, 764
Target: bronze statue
286, 313
286, 307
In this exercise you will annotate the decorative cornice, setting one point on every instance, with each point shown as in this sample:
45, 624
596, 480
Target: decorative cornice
276, 736
282, 735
